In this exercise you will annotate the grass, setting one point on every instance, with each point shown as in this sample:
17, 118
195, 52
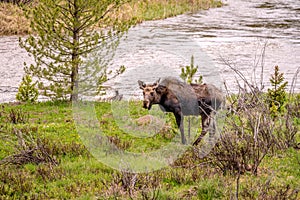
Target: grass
13, 21
78, 175
159, 9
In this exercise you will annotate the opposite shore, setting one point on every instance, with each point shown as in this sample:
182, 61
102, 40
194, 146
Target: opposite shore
14, 22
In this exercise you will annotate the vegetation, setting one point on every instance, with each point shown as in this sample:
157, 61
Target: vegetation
277, 94
42, 156
257, 156
158, 9
64, 37
188, 73
13, 21
27, 91
17, 2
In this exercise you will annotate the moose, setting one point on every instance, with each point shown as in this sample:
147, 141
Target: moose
183, 99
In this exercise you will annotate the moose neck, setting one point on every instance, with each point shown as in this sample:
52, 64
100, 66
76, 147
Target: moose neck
169, 101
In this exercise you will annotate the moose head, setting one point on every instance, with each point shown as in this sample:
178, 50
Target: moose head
152, 93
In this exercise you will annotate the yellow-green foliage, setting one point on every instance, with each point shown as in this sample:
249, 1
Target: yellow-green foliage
27, 91
188, 72
277, 95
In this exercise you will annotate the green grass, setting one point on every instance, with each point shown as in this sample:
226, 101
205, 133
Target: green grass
79, 175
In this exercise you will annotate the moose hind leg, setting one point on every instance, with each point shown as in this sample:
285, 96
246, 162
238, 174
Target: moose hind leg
212, 126
205, 121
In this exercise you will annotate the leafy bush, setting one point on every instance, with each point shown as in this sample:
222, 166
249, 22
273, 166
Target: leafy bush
27, 91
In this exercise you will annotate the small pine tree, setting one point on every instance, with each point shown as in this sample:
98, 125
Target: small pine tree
27, 91
188, 72
277, 95
66, 34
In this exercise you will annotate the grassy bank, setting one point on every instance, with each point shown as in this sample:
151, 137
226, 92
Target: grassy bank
60, 166
13, 21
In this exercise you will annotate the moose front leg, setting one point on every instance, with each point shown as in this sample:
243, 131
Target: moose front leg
179, 121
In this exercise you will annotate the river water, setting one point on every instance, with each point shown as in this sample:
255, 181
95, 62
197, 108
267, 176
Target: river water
250, 35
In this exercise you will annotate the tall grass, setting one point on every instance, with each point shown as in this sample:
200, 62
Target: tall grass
160, 9
13, 21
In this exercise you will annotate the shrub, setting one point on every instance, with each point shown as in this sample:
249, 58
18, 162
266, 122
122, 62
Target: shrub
276, 95
27, 91
28, 149
17, 116
188, 72
246, 139
256, 126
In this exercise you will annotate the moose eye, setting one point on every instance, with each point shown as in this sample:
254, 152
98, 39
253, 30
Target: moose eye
152, 94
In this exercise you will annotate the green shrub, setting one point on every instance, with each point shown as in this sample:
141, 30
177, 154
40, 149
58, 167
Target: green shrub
27, 91
277, 97
188, 72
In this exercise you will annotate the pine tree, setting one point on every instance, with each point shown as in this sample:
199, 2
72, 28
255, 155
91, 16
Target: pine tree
188, 72
27, 91
65, 35
277, 95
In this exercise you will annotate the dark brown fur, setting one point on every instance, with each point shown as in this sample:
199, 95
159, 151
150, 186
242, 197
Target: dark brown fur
209, 99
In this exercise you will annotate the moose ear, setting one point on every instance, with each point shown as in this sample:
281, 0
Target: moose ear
141, 84
156, 83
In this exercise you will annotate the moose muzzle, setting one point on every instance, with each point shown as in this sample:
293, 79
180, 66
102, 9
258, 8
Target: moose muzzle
147, 104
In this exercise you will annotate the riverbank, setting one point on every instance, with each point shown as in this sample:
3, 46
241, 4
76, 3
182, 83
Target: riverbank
14, 22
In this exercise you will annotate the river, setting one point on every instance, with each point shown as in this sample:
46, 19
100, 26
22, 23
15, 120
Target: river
237, 33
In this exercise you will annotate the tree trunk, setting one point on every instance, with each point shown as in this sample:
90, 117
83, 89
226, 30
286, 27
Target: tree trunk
74, 81
75, 55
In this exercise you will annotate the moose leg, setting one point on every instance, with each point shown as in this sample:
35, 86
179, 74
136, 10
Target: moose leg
212, 124
179, 121
205, 121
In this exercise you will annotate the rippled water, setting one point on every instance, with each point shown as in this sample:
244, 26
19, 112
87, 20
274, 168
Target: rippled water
236, 33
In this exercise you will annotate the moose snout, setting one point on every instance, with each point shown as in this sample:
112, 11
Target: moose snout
146, 104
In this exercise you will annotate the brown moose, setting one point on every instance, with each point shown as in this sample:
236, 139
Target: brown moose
183, 99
